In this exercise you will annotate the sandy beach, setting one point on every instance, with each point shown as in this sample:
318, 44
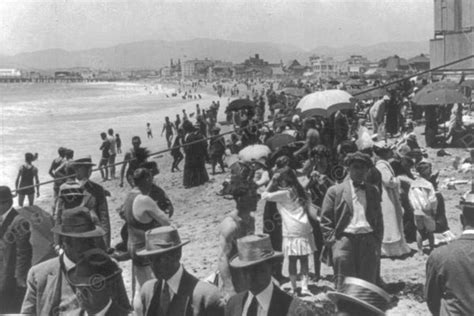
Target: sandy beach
198, 211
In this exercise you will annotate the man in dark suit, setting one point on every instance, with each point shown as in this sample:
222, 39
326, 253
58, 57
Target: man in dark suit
449, 271
96, 279
352, 223
97, 201
15, 254
48, 291
255, 259
175, 292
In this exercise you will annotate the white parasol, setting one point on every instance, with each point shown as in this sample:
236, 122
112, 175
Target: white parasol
325, 103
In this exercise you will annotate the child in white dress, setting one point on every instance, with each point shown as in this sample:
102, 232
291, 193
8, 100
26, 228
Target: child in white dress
293, 205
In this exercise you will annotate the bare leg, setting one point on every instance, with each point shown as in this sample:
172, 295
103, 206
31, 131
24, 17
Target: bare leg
292, 271
21, 199
31, 199
305, 275
419, 242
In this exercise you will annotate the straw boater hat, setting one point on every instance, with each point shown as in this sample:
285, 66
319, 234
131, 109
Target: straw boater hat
77, 222
362, 293
83, 161
252, 250
93, 270
161, 240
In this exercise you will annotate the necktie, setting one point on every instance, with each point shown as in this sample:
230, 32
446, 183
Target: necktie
165, 300
253, 308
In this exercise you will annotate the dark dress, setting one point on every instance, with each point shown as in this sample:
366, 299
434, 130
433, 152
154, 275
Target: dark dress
195, 172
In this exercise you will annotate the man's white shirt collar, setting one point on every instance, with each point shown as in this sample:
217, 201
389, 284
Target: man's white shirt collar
468, 231
174, 281
264, 298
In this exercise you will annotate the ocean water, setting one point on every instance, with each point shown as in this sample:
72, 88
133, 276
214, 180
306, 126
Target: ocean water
39, 118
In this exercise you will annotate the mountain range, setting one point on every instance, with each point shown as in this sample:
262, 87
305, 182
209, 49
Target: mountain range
154, 54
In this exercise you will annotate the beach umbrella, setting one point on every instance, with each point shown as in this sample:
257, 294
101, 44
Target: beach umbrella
440, 96
254, 152
468, 83
325, 103
40, 224
279, 140
240, 104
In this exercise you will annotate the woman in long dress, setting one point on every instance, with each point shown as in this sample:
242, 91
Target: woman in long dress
195, 151
393, 243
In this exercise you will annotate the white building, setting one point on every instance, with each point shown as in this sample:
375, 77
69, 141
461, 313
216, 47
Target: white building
324, 67
10, 73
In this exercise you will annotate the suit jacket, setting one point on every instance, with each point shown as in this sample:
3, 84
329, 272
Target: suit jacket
194, 298
450, 278
15, 252
45, 287
97, 202
337, 211
281, 304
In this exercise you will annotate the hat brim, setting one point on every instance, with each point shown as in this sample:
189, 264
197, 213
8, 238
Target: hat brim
143, 252
97, 232
337, 296
86, 281
237, 263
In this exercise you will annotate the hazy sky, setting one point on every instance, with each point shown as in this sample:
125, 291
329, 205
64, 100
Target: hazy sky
27, 25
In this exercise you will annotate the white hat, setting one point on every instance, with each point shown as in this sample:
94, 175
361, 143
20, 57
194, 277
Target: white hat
295, 118
386, 98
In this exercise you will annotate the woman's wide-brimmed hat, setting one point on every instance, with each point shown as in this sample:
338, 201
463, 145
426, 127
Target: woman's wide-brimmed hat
362, 293
161, 240
83, 161
77, 222
252, 250
93, 270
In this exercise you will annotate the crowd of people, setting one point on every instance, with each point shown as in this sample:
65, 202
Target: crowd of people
336, 195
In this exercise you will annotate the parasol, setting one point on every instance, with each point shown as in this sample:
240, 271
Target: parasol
240, 104
41, 238
254, 152
279, 140
440, 96
325, 103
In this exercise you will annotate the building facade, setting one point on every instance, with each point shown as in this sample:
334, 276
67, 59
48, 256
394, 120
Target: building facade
454, 34
325, 67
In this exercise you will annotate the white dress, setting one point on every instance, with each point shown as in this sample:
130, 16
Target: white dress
298, 239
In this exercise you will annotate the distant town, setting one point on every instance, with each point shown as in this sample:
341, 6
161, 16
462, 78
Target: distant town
316, 67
